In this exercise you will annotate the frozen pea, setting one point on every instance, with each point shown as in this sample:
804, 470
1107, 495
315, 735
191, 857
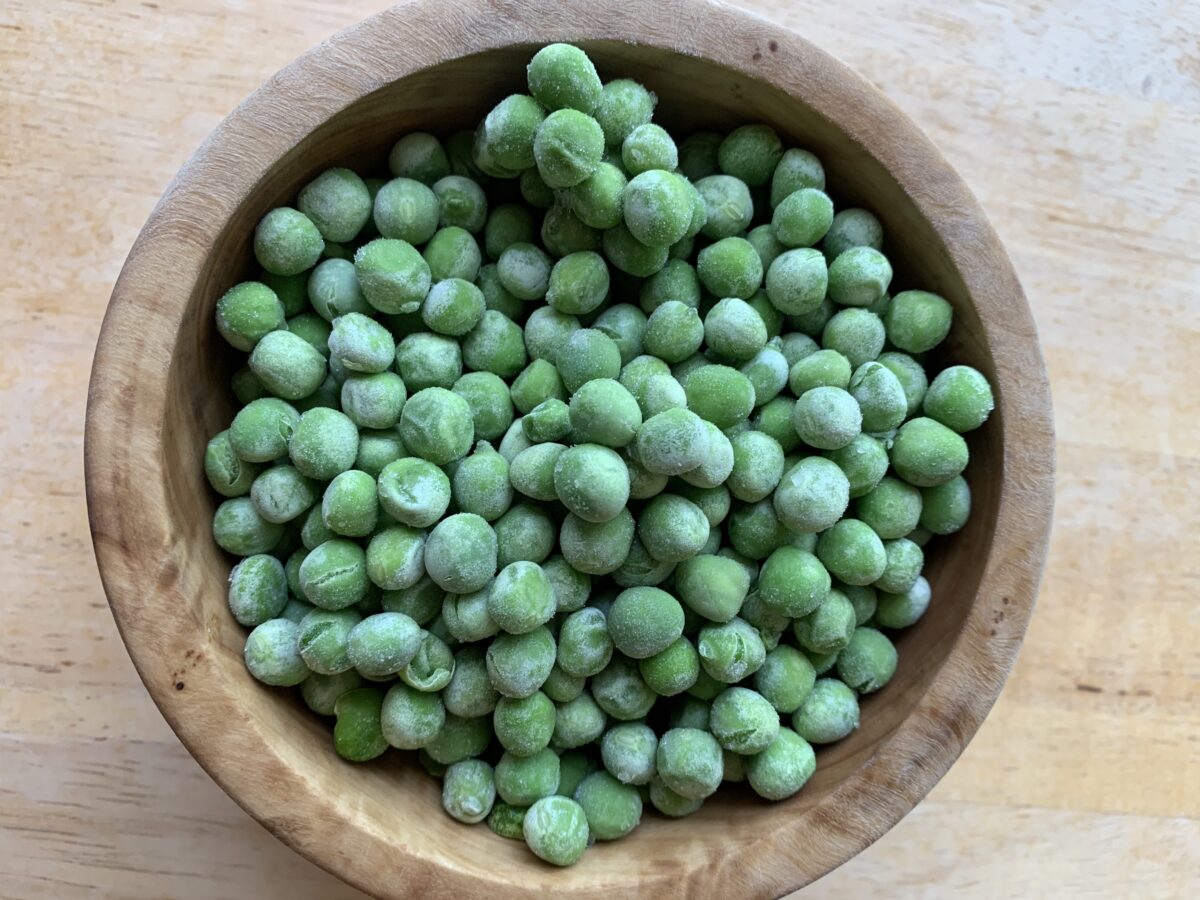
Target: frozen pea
452, 252
905, 608
524, 270
626, 325
292, 290
313, 531
556, 830
507, 224
321, 692
628, 751
598, 200
563, 233
246, 386
597, 548
491, 405
689, 762
644, 621
750, 153
675, 281
525, 532
468, 791
461, 203
567, 148
926, 453
532, 471
420, 156
586, 355
229, 475
803, 217
892, 508
287, 365
414, 491
946, 507
863, 461
550, 420
793, 581
731, 651
718, 462
313, 329
880, 397
421, 601
659, 393
571, 588
812, 322
868, 662
648, 147
613, 809
350, 506
524, 726
917, 321
562, 77
755, 531
642, 569
671, 804
619, 690
734, 330
453, 307
797, 169
783, 768
257, 590
762, 239
467, 619
730, 267
323, 639
698, 154
460, 152
812, 495
630, 255
495, 294
287, 242
852, 228
826, 418
334, 290
603, 412
623, 106
561, 687
719, 394
959, 398
674, 332
672, 528
767, 371
537, 382
829, 713
248, 312
757, 466
821, 663
743, 721
271, 654
281, 494
797, 280
460, 553
852, 552
436, 425
578, 722
584, 644
334, 575
481, 484
910, 374
535, 191
672, 670
859, 277
862, 598
828, 628
573, 767
406, 210
518, 664
393, 276
432, 667
547, 330
503, 144
905, 560
459, 739
383, 644
428, 360
577, 284
657, 207
786, 679
730, 208
396, 557
495, 345
374, 401
521, 598
358, 734
858, 334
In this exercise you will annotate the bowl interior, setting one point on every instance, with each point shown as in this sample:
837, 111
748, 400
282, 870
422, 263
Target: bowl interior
394, 798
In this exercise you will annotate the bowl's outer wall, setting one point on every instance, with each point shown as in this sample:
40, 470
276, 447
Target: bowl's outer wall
159, 391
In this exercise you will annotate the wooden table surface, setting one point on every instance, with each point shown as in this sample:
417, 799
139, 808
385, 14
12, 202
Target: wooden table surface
1076, 122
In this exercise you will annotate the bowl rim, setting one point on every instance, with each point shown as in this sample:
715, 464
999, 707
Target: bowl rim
144, 316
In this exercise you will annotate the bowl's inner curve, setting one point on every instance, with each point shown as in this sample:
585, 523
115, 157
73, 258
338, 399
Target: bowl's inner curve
394, 796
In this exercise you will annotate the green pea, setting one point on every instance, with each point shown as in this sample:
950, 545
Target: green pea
783, 768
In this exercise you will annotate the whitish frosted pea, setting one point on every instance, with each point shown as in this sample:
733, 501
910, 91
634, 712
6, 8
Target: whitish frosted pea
383, 644
689, 762
578, 722
812, 495
852, 228
495, 345
718, 462
910, 374
797, 280
518, 664
649, 147
257, 589
880, 397
734, 330
432, 667
743, 721
524, 270
287, 242
905, 560
419, 155
628, 751
556, 830
783, 768
414, 491
271, 654
460, 553
392, 275
757, 466
620, 691
797, 169
396, 557
859, 277
826, 418
730, 208
731, 651
322, 640
525, 532
568, 147
468, 791
918, 320
428, 360
623, 106
626, 325
406, 210
467, 619
657, 207
281, 494
334, 575
481, 483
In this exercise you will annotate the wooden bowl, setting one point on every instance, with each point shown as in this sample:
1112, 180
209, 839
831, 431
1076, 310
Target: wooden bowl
160, 389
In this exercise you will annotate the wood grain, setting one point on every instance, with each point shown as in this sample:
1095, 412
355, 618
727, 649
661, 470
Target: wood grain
1080, 164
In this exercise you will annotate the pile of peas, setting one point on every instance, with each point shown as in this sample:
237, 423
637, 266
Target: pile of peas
593, 466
